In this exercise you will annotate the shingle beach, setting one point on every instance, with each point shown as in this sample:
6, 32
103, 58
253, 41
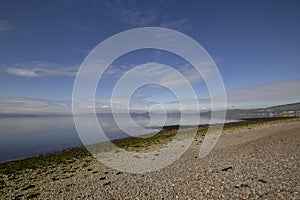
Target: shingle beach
253, 162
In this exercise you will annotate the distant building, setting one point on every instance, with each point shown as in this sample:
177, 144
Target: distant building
290, 113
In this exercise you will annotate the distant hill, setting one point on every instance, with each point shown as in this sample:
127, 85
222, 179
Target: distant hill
287, 110
287, 107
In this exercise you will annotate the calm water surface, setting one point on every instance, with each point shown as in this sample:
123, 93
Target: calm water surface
22, 137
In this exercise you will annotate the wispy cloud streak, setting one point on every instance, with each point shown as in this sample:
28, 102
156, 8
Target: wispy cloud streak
26, 105
264, 95
259, 96
38, 69
5, 26
130, 14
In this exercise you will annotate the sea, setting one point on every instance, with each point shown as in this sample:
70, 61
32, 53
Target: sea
27, 136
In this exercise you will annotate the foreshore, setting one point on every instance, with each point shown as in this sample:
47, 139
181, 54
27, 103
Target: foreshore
256, 158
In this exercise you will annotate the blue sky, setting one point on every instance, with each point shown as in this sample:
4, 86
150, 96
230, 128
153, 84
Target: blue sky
255, 45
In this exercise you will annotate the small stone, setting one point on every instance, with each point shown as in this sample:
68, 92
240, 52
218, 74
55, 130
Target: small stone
227, 168
29, 187
107, 183
31, 196
261, 180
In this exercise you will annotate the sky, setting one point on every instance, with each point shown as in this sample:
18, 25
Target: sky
255, 45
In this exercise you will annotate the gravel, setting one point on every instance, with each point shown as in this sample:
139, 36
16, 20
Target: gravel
259, 162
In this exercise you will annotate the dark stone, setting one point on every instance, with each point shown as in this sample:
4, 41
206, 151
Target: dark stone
227, 168
107, 183
54, 178
137, 157
19, 196
29, 187
31, 196
261, 180
243, 185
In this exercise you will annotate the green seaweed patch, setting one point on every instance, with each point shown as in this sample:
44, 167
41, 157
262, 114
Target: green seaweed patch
137, 143
43, 161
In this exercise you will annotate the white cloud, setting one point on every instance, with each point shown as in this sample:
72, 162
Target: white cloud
22, 72
171, 79
38, 69
138, 101
26, 105
117, 71
268, 94
161, 74
260, 96
5, 26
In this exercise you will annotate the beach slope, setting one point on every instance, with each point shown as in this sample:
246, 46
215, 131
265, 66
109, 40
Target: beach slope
256, 161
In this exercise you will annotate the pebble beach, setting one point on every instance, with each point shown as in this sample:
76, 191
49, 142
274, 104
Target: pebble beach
252, 162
